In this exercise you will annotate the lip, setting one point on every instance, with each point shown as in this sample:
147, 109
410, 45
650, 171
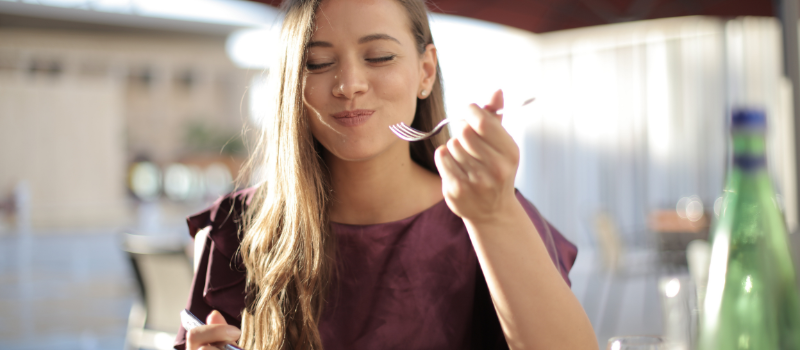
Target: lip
354, 117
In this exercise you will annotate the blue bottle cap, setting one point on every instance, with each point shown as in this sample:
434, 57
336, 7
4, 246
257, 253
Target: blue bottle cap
748, 118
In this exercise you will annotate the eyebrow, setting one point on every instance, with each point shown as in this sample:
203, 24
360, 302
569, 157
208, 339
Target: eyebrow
363, 40
373, 37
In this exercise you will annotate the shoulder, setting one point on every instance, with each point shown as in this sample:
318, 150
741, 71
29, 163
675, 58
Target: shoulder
224, 220
219, 279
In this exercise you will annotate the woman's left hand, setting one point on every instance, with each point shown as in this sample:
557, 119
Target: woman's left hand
478, 165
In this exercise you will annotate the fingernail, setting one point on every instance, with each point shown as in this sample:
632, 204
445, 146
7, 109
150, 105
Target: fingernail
234, 332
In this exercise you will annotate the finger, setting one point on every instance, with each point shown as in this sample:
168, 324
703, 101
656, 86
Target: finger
209, 347
476, 146
221, 345
489, 129
495, 103
215, 317
448, 167
466, 162
212, 333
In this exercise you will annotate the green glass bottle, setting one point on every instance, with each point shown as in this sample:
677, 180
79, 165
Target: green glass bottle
751, 300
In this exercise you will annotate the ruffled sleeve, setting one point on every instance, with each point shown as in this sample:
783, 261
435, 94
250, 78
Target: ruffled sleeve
562, 252
219, 282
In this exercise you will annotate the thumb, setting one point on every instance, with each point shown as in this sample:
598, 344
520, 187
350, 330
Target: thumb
215, 318
496, 103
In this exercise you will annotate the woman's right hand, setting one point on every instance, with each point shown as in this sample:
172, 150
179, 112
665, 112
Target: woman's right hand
214, 335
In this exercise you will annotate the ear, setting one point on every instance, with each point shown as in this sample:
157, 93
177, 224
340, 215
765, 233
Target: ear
428, 65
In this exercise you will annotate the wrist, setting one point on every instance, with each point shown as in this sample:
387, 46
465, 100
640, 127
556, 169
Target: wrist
509, 210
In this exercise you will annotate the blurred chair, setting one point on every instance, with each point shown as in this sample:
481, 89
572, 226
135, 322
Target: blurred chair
621, 265
163, 274
8, 208
674, 233
608, 239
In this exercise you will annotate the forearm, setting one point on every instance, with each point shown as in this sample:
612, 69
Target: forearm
536, 308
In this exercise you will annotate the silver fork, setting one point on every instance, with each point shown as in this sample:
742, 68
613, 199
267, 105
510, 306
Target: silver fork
408, 133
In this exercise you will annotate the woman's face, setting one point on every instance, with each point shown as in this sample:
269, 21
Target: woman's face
364, 74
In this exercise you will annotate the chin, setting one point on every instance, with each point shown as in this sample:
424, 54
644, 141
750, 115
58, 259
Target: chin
353, 154
357, 151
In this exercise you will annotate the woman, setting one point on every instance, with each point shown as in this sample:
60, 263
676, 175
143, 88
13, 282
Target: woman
358, 239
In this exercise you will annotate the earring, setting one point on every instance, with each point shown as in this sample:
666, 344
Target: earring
424, 93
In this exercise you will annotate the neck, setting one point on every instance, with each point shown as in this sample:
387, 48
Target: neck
385, 188
749, 143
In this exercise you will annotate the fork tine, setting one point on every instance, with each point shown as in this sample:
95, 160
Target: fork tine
414, 135
408, 133
412, 131
402, 133
405, 130
397, 130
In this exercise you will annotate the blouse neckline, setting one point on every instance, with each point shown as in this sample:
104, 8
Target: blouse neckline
396, 222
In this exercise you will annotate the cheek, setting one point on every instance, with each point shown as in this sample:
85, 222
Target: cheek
322, 132
315, 98
314, 91
398, 88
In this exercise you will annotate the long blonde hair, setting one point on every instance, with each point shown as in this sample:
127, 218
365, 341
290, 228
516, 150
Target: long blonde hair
287, 247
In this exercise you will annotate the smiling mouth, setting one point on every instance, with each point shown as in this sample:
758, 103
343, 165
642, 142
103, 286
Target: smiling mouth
354, 117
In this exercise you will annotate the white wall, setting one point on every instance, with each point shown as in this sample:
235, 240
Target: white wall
72, 133
628, 117
66, 140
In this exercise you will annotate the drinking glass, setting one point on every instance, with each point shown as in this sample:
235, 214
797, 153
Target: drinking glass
636, 342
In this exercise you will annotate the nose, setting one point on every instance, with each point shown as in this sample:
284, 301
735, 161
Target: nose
350, 81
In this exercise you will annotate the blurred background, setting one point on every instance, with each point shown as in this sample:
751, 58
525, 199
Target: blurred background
118, 118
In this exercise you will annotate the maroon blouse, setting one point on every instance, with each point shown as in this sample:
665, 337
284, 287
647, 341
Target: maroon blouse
411, 284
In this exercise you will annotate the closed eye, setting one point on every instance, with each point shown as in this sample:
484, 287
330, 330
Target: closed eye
314, 66
381, 59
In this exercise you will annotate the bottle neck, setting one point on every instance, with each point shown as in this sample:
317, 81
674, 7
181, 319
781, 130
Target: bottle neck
749, 149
